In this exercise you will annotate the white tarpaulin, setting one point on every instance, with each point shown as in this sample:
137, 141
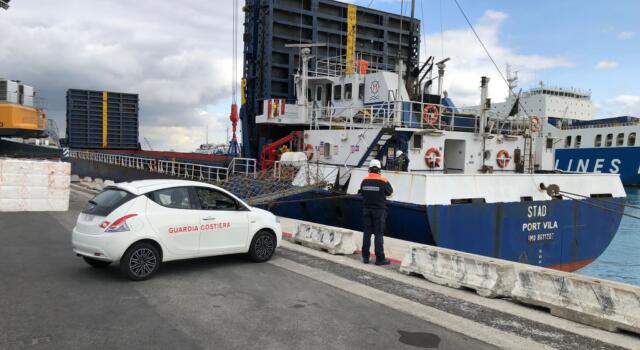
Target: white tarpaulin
34, 185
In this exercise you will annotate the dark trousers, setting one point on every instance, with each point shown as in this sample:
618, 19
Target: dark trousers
373, 224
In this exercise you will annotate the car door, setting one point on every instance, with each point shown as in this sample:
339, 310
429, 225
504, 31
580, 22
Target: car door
223, 221
174, 216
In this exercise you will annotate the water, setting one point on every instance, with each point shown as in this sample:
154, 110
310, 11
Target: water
621, 261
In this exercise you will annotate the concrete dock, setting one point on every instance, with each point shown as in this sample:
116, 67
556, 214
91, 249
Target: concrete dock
301, 299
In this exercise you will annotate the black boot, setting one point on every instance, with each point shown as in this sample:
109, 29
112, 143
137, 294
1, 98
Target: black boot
365, 260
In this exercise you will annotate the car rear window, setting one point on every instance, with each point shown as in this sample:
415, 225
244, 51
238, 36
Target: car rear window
175, 197
107, 201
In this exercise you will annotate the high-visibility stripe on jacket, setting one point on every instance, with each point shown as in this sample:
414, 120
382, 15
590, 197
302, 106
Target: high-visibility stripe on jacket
375, 189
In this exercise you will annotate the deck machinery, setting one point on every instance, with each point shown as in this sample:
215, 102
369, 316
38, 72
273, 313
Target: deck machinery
336, 28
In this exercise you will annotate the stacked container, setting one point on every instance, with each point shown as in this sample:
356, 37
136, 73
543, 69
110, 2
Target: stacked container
102, 119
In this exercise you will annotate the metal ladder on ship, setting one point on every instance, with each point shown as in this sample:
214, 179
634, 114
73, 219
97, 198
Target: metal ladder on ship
528, 154
376, 146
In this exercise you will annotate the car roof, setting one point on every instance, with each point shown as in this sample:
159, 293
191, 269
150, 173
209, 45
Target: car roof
145, 186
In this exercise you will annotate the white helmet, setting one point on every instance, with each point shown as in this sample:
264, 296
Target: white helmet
398, 154
374, 163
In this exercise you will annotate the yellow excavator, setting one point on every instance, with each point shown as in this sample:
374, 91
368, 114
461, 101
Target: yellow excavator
20, 113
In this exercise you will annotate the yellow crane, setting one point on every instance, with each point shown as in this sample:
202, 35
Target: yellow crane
19, 114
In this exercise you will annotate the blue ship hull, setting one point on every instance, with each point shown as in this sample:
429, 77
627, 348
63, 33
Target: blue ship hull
565, 235
616, 160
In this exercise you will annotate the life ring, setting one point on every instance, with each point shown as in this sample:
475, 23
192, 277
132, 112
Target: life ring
432, 158
503, 158
308, 150
430, 114
535, 124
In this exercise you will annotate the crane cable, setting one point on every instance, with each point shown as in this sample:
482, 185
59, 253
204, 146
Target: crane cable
234, 79
484, 47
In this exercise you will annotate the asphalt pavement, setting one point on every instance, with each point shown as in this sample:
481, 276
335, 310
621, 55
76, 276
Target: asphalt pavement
50, 299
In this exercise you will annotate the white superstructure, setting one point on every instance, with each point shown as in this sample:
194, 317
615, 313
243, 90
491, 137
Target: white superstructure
350, 119
544, 101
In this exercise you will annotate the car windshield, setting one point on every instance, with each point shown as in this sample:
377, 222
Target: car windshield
107, 201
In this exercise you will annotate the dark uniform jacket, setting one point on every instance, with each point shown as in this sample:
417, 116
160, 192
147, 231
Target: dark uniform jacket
374, 189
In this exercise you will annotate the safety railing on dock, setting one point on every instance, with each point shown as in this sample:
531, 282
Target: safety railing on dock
189, 171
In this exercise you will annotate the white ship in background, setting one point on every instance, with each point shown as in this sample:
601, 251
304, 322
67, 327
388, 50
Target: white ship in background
582, 144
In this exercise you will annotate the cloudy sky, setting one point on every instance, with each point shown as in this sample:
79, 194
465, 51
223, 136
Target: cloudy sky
177, 54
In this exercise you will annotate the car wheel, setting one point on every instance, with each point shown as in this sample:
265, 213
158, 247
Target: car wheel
95, 262
262, 246
140, 261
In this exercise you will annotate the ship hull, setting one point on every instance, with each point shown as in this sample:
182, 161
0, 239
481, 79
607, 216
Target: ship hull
561, 234
615, 160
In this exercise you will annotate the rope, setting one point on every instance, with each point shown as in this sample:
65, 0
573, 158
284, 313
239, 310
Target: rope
603, 208
599, 199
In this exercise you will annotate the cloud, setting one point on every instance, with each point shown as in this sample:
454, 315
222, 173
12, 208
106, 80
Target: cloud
177, 57
619, 105
469, 61
606, 65
626, 35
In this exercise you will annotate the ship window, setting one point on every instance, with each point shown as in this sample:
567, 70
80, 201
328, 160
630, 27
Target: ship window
347, 91
609, 140
417, 141
327, 150
309, 95
337, 92
620, 139
361, 91
578, 141
319, 93
631, 140
598, 141
567, 142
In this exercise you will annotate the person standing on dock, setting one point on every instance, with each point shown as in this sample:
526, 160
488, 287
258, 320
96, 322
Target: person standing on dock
375, 189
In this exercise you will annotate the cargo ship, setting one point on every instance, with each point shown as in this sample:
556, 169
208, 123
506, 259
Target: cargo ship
474, 182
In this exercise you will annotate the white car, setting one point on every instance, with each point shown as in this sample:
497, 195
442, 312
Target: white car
144, 223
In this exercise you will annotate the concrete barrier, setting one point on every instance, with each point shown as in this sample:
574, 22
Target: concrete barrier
599, 303
603, 304
395, 249
332, 239
34, 185
488, 277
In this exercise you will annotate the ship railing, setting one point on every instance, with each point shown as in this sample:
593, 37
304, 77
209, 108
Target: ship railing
188, 171
602, 125
414, 115
336, 66
245, 166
